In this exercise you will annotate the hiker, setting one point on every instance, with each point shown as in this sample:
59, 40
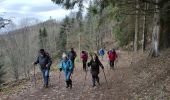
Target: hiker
84, 57
67, 66
44, 60
94, 64
101, 52
112, 57
72, 55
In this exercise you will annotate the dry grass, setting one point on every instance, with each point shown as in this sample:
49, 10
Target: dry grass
151, 78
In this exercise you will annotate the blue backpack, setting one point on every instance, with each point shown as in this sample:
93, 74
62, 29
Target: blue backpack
101, 52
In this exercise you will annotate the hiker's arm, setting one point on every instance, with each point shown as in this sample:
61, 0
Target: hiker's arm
89, 63
49, 62
101, 65
75, 54
71, 65
37, 61
61, 66
116, 57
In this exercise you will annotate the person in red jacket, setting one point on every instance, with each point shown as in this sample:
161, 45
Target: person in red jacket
84, 57
112, 57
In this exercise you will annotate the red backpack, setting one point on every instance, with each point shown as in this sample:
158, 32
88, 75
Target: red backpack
84, 56
112, 55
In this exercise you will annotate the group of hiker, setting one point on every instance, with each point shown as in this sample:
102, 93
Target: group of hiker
67, 64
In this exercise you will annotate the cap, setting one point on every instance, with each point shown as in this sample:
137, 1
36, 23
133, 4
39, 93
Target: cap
64, 55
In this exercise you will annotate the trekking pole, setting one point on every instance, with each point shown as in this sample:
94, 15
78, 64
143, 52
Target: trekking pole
59, 79
105, 79
84, 79
115, 64
108, 66
34, 77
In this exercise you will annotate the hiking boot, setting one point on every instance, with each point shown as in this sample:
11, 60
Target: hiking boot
46, 86
70, 84
67, 83
98, 83
93, 85
67, 86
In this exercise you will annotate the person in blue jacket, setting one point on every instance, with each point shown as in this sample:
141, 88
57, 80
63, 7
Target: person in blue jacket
67, 66
101, 52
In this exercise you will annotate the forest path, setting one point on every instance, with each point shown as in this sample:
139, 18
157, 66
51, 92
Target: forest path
117, 81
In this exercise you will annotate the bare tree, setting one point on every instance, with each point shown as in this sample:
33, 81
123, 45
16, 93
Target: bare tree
144, 32
156, 31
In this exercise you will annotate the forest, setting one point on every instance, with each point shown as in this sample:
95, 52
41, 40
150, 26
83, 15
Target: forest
135, 26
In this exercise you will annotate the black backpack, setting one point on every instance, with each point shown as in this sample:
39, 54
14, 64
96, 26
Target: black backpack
72, 55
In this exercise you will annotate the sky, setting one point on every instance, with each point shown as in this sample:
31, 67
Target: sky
38, 9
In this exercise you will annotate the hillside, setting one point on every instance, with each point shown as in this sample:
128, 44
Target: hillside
117, 86
134, 28
151, 77
135, 77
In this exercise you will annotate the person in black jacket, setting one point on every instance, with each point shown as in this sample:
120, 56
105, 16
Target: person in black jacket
44, 60
94, 64
72, 55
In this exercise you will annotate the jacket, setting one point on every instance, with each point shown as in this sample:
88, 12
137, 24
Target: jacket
112, 55
44, 61
72, 55
84, 56
95, 65
66, 65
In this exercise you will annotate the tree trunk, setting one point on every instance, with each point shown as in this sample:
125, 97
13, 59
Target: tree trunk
165, 30
144, 35
155, 34
164, 36
79, 44
90, 37
98, 41
136, 26
66, 37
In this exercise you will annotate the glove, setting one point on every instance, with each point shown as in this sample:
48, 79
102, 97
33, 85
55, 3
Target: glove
88, 64
60, 69
102, 67
34, 63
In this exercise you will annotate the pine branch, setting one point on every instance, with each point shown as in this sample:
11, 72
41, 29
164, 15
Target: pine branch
148, 1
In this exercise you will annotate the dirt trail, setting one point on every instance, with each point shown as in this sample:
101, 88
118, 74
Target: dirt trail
117, 80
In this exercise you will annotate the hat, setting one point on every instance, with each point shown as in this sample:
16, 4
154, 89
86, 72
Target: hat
113, 49
64, 55
41, 50
93, 53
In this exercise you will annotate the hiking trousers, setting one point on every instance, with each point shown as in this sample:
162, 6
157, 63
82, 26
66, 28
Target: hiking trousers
72, 60
84, 64
45, 74
112, 63
67, 75
95, 77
